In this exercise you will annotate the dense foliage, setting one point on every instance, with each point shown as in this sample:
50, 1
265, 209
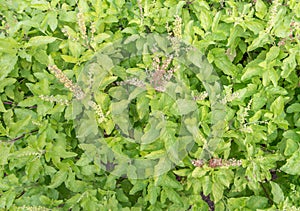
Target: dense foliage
149, 105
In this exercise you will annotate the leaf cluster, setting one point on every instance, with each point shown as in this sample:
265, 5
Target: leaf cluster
44, 162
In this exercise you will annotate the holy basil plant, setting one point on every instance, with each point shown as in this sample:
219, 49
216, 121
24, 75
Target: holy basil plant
149, 105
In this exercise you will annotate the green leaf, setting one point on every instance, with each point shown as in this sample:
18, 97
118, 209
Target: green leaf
273, 53
3, 131
222, 61
163, 196
163, 166
207, 186
75, 48
237, 203
42, 57
19, 126
183, 172
161, 42
119, 107
7, 64
193, 128
132, 171
196, 58
262, 39
217, 191
235, 32
167, 181
58, 179
111, 19
152, 134
120, 196
61, 152
199, 172
290, 147
69, 59
277, 106
152, 193
274, 77
75, 185
84, 160
292, 165
142, 105
277, 192
107, 81
136, 92
186, 106
257, 202
109, 126
118, 93
179, 6
4, 151
30, 101
216, 21
2, 108
138, 186
8, 45
99, 38
33, 169
122, 121
261, 9
172, 147
156, 154
69, 16
173, 196
205, 19
40, 5
281, 26
58, 154
6, 82
292, 134
45, 200
224, 177
254, 25
259, 100
289, 65
40, 40
52, 20
105, 61
294, 108
250, 72
7, 199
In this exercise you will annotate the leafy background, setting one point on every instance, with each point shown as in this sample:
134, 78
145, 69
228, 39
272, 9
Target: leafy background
253, 46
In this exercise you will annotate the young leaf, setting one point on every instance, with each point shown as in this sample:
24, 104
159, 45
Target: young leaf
186, 106
273, 53
4, 151
222, 61
292, 165
138, 186
58, 178
40, 40
294, 108
152, 193
277, 193
52, 20
262, 39
277, 106
173, 195
217, 191
261, 9
7, 64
